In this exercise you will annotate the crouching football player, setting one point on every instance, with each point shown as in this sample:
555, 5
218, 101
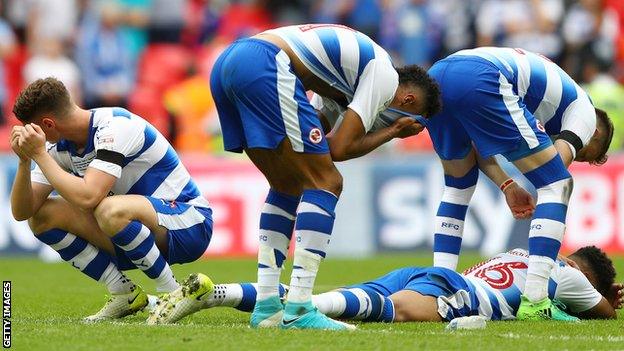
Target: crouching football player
582, 284
126, 201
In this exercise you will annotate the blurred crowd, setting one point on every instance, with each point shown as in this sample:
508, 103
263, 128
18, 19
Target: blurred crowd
154, 56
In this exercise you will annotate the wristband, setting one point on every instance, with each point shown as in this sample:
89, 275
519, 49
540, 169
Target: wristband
506, 184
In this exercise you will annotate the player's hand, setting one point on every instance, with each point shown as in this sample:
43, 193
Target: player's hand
406, 127
520, 201
16, 134
616, 295
32, 141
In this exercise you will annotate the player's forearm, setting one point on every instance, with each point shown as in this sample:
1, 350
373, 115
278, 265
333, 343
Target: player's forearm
22, 194
492, 170
361, 147
73, 189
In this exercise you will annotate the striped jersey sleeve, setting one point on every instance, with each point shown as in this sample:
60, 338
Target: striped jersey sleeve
37, 176
116, 138
348, 61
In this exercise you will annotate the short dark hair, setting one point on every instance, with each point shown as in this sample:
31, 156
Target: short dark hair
43, 96
603, 119
600, 265
418, 77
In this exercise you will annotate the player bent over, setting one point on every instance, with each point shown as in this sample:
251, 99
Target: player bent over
259, 86
582, 282
511, 103
126, 201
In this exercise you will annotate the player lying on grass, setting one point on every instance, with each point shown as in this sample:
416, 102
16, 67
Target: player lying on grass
509, 102
259, 87
583, 282
126, 200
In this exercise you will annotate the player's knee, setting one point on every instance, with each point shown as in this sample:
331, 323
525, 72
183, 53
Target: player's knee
401, 314
40, 222
331, 182
405, 312
111, 215
557, 192
287, 185
461, 188
552, 180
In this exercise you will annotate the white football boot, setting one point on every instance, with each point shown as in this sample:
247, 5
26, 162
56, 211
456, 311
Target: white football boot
121, 305
187, 299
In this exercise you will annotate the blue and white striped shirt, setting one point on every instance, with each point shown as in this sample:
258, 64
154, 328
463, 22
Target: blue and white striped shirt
348, 61
495, 287
128, 147
548, 92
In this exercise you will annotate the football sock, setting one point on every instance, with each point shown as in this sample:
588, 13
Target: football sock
240, 296
315, 221
356, 304
87, 258
554, 186
139, 245
449, 222
276, 227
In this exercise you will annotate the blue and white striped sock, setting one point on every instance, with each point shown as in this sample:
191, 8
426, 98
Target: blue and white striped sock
139, 245
554, 187
87, 258
240, 296
315, 221
356, 304
276, 227
449, 222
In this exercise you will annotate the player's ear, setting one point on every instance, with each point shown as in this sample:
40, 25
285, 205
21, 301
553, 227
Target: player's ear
48, 123
409, 99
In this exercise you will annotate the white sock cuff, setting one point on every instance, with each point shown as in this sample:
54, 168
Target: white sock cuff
458, 196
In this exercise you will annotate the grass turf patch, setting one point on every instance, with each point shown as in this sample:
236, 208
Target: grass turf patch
49, 301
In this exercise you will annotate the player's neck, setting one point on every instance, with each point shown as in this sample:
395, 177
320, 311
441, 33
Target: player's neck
77, 128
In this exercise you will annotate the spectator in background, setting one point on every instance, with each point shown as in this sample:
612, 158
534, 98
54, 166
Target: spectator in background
607, 94
135, 19
55, 19
104, 58
406, 31
589, 30
244, 19
17, 15
527, 24
329, 11
190, 104
617, 6
49, 60
7, 46
455, 20
364, 15
166, 21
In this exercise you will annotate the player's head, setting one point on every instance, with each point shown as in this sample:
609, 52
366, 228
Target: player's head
596, 150
418, 93
596, 266
44, 102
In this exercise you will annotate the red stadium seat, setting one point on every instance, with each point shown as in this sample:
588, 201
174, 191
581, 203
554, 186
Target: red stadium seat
14, 64
147, 102
5, 131
162, 65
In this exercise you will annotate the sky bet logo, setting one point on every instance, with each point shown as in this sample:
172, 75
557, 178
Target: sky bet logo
450, 225
6, 314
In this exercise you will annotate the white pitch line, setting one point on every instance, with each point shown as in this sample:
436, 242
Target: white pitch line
608, 338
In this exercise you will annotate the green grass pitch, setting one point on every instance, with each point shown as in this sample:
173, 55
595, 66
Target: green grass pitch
50, 299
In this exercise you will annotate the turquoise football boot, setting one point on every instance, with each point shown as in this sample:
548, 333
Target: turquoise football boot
267, 313
306, 316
